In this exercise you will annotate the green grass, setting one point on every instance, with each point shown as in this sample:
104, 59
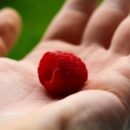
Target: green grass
36, 15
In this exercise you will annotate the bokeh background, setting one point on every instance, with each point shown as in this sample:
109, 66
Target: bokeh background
36, 15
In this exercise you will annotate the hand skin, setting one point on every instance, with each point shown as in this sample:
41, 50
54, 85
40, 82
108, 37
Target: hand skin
101, 39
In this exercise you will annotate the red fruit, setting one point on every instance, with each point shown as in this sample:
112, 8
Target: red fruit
62, 73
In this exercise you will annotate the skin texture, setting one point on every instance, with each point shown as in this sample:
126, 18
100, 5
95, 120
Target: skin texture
101, 39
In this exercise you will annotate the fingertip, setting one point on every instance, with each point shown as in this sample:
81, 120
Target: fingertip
10, 26
10, 12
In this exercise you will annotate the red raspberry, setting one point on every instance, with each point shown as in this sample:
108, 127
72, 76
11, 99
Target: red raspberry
62, 73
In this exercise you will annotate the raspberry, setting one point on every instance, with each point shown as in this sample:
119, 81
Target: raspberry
62, 73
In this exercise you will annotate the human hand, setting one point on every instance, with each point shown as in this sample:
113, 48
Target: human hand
102, 42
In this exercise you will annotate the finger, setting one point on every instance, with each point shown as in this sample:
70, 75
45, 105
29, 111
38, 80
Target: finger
10, 24
121, 40
105, 20
70, 22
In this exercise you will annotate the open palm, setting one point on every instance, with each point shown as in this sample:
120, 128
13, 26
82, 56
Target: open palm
101, 39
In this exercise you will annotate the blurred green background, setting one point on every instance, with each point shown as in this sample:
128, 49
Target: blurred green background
36, 15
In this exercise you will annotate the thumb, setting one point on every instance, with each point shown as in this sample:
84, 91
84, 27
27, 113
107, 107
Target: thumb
87, 110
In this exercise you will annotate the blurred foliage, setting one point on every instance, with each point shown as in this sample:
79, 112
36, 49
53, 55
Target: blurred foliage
36, 15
